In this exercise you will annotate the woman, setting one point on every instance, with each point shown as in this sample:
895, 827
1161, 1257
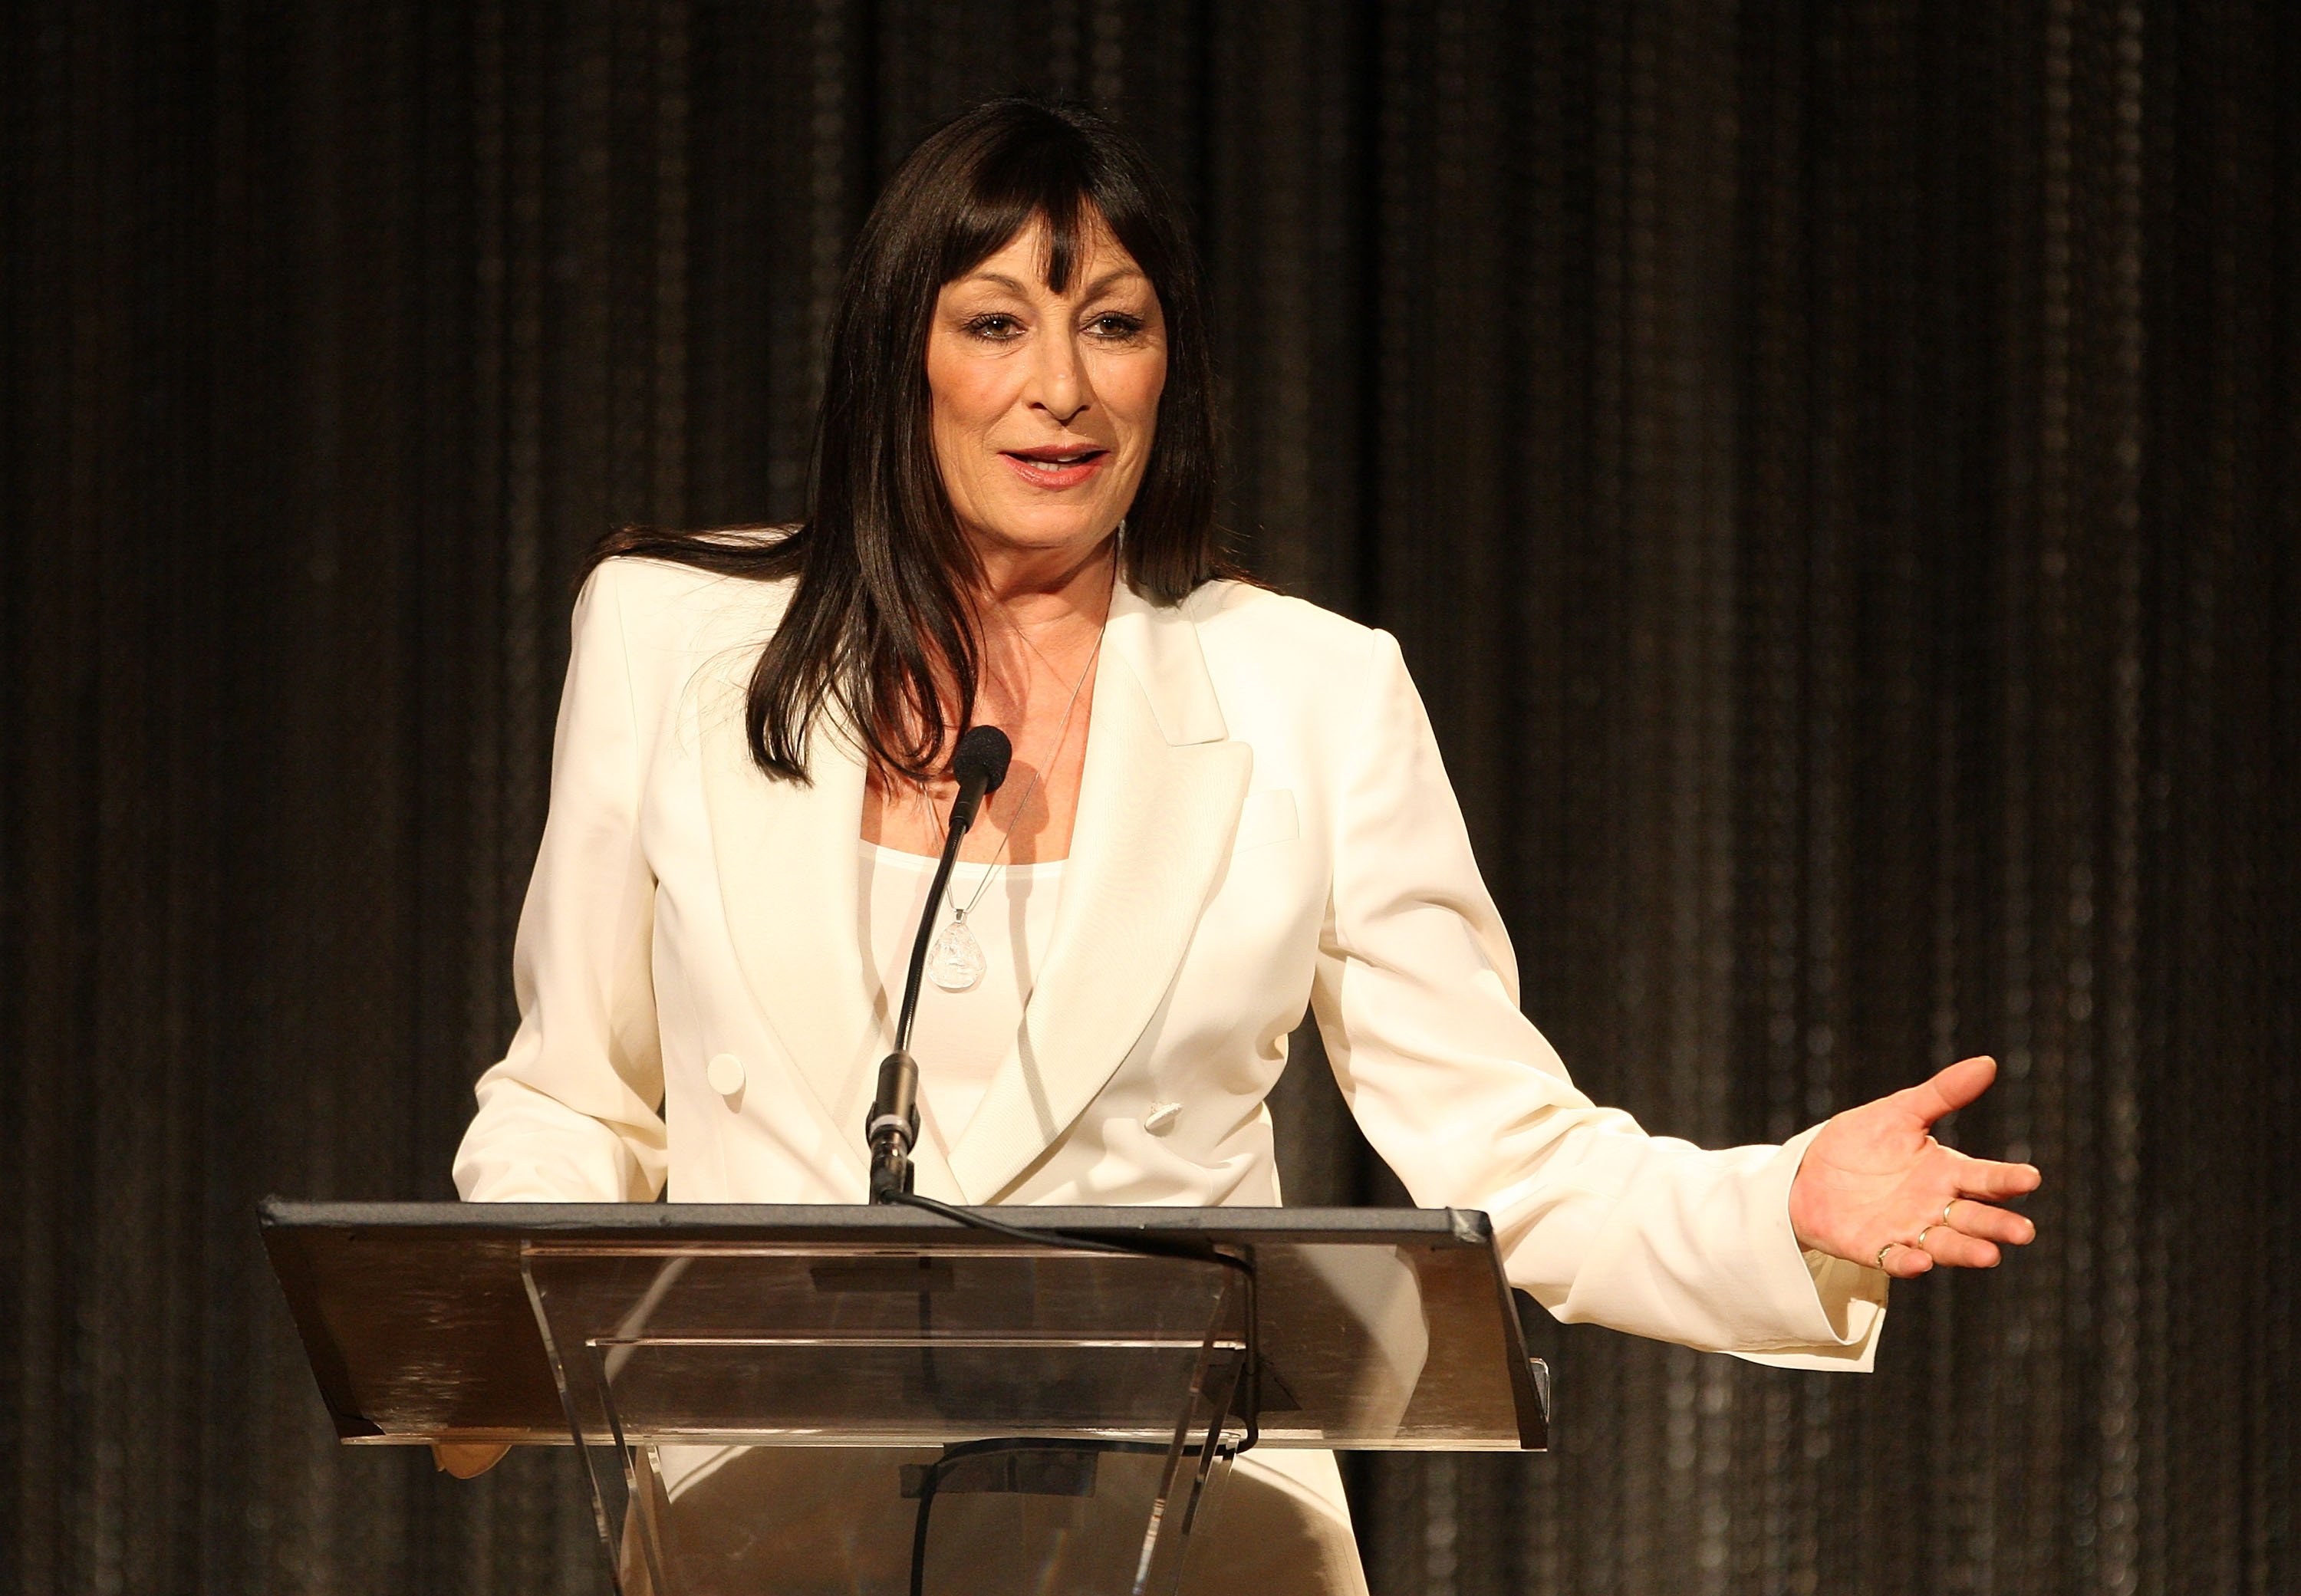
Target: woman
1225, 804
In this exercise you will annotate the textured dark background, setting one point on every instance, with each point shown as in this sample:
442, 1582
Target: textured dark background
1832, 470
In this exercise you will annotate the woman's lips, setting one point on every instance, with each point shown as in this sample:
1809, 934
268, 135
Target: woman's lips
1055, 472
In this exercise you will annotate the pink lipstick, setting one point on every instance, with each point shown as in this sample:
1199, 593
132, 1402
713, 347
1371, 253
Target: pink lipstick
1056, 465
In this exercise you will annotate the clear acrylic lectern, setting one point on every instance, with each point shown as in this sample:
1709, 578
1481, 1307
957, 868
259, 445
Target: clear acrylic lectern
872, 1399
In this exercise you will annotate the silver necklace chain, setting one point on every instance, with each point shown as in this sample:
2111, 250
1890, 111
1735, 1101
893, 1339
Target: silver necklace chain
955, 961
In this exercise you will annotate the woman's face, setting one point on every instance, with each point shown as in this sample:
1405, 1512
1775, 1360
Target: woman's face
1044, 404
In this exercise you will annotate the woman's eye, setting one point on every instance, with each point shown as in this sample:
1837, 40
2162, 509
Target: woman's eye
1116, 325
994, 325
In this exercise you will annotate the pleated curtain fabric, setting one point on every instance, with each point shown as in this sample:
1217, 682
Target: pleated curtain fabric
1835, 471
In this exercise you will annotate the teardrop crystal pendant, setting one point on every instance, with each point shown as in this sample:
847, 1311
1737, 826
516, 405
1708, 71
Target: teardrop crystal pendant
955, 960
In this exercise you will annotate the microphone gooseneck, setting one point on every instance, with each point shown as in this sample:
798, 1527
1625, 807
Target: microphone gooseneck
980, 763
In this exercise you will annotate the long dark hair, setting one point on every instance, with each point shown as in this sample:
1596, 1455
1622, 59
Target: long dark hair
880, 606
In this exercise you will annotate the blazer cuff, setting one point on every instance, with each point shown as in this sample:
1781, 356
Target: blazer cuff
1838, 1309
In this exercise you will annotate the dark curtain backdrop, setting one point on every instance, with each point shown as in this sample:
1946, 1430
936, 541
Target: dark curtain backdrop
1832, 469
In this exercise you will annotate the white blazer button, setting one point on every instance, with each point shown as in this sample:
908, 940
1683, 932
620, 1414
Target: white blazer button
1161, 1118
725, 1073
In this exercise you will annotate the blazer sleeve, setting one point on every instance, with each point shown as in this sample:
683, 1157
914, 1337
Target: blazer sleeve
573, 1112
1417, 998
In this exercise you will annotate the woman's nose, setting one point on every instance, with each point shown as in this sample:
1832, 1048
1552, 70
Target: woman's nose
1061, 382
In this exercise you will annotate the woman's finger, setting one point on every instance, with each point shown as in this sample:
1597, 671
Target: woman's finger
1985, 1177
467, 1459
1990, 1225
1947, 1245
1902, 1261
1951, 1089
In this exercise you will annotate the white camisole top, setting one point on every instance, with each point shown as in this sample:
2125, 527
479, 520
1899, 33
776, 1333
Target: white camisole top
960, 1038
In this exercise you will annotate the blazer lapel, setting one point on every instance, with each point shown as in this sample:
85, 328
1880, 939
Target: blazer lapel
1157, 803
788, 876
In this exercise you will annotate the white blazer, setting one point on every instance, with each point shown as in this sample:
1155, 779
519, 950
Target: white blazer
1264, 823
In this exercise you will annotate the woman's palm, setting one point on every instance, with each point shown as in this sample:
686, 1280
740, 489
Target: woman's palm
1875, 1184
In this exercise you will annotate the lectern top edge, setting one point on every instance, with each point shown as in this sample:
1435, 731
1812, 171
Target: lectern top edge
616, 1222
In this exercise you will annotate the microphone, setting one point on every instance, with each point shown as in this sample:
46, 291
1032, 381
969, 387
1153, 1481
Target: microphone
980, 763
892, 1130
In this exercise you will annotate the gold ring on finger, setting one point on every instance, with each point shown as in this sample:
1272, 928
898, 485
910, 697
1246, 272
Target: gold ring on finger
1921, 1242
1946, 1207
1882, 1252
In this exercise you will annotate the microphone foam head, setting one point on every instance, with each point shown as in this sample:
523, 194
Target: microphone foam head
984, 749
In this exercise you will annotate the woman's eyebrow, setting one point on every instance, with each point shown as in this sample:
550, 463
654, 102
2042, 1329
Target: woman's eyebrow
999, 279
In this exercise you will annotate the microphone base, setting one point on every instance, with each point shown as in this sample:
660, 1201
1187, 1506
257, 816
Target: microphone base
892, 1130
890, 1172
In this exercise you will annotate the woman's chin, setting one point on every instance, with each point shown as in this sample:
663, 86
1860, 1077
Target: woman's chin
1039, 535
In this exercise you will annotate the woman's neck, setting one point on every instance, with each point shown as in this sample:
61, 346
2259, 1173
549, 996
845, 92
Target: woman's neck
1039, 627
1047, 599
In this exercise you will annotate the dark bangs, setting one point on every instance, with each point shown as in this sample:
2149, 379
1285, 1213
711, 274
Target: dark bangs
880, 613
1060, 179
